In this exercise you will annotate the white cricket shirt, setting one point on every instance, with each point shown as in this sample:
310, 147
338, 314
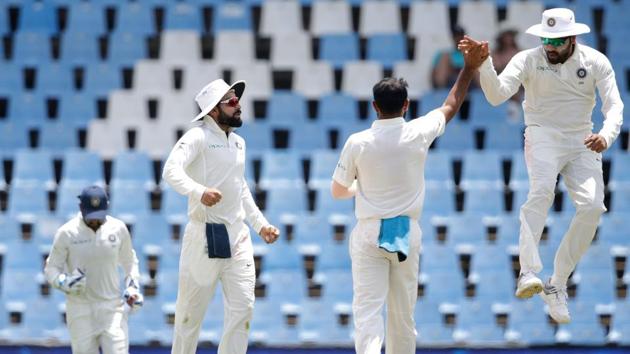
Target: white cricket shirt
560, 96
387, 160
98, 254
206, 157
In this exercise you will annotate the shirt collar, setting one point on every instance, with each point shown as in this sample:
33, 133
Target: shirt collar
388, 122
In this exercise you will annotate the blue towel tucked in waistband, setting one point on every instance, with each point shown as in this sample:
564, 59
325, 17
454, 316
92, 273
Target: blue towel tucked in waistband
394, 236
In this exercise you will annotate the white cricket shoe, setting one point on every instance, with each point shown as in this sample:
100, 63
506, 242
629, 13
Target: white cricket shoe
528, 285
556, 299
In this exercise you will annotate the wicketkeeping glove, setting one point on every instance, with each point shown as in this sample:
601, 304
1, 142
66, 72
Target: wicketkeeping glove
132, 289
71, 284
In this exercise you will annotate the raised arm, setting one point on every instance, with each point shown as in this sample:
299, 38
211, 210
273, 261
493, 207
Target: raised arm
474, 55
497, 88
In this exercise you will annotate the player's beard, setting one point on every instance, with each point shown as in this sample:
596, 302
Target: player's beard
559, 56
233, 121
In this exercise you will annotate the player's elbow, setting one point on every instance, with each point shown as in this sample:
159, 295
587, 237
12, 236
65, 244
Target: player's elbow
337, 190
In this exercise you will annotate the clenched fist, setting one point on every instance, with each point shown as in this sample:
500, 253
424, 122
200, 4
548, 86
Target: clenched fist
269, 233
210, 197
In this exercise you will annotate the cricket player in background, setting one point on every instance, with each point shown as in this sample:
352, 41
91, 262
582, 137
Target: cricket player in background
83, 263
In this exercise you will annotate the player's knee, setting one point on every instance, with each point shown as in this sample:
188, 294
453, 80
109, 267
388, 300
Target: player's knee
590, 212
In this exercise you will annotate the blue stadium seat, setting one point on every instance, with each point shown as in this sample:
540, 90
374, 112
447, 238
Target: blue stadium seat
494, 285
99, 80
508, 228
174, 205
319, 325
76, 110
4, 26
135, 17
229, 16
150, 229
432, 100
337, 109
595, 286
281, 169
127, 200
33, 167
619, 171
14, 136
338, 49
438, 169
19, 283
613, 229
439, 200
146, 323
134, 168
620, 201
31, 48
38, 16
82, 168
286, 108
482, 113
334, 256
54, 79
286, 199
308, 137
10, 229
487, 200
311, 229
503, 137
435, 290
125, 48
183, 16
530, 322
56, 137
281, 256
287, 285
323, 165
80, 48
430, 326
482, 169
86, 17
476, 318
3, 181
11, 79
457, 137
387, 49
465, 229
325, 204
67, 199
258, 137
27, 202
28, 109
336, 285
584, 328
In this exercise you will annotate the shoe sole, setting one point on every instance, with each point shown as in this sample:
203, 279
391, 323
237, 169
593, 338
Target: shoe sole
529, 290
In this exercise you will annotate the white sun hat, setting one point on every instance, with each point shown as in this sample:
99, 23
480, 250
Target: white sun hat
211, 94
558, 23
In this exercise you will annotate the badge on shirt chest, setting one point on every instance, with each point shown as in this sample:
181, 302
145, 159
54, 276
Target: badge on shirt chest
113, 240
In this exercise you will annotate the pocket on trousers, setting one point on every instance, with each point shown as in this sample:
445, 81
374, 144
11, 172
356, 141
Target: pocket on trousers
218, 241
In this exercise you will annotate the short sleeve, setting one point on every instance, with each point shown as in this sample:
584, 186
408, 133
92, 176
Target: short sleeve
346, 170
430, 126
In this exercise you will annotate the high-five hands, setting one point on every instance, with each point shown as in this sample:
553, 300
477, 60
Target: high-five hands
475, 52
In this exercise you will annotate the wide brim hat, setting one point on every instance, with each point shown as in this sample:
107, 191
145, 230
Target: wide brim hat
558, 23
211, 95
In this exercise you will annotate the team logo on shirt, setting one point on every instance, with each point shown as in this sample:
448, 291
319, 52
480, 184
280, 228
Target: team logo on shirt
581, 73
112, 238
551, 22
238, 145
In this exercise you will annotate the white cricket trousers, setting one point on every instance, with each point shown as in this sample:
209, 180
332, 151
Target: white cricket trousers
99, 324
198, 277
378, 277
548, 153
